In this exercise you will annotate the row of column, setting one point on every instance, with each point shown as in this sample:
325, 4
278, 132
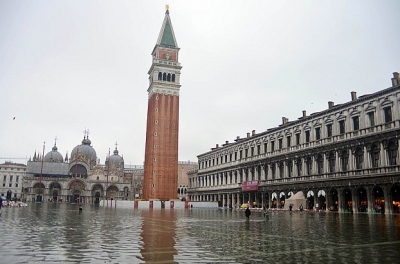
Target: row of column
235, 199
290, 168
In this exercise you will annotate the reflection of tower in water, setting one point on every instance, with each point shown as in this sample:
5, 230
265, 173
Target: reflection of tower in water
158, 236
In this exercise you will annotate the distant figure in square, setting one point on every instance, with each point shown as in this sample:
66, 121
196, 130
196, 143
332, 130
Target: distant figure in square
247, 213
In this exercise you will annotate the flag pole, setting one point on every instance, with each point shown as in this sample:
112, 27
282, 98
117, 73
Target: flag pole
108, 171
76, 164
41, 169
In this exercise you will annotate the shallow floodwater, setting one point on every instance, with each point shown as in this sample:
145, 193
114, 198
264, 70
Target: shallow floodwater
58, 233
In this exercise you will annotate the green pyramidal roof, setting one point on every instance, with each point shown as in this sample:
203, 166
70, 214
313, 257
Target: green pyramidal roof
167, 37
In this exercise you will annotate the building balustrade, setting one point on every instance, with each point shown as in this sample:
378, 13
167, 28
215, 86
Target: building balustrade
352, 135
313, 177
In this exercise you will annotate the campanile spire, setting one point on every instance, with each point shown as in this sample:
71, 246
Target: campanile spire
161, 154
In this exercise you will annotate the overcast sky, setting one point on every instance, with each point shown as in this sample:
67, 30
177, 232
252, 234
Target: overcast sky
70, 65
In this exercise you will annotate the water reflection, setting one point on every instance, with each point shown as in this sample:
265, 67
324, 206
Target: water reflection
158, 236
58, 233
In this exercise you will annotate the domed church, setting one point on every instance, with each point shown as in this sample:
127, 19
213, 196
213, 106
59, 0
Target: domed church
79, 179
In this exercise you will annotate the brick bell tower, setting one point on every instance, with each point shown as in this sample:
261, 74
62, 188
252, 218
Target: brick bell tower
161, 154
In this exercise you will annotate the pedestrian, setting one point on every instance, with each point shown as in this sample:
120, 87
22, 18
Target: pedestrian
290, 207
301, 207
247, 213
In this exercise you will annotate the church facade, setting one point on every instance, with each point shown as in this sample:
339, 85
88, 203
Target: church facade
79, 178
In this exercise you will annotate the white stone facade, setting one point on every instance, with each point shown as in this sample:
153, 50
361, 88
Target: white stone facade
355, 139
11, 176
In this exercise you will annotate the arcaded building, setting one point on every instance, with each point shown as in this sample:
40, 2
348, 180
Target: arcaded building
343, 158
161, 152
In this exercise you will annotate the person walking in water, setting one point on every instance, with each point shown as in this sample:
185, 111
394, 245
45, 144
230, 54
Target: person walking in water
247, 213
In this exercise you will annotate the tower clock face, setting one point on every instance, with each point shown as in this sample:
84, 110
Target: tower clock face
167, 56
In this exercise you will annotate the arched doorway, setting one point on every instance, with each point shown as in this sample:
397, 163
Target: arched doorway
333, 201
97, 193
379, 199
55, 190
395, 192
76, 191
347, 201
320, 200
310, 200
39, 191
274, 200
76, 196
112, 193
362, 205
282, 198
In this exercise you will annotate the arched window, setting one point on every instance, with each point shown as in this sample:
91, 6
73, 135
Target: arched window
273, 171
345, 160
159, 76
299, 165
173, 77
281, 170
332, 162
392, 153
309, 166
169, 77
359, 155
164, 76
375, 156
320, 162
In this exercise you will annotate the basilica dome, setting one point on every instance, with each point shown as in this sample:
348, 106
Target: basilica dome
85, 152
53, 155
115, 160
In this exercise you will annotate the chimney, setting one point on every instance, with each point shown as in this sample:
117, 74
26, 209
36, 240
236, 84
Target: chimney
395, 79
227, 142
216, 146
248, 135
304, 113
353, 96
238, 137
284, 120
330, 104
253, 133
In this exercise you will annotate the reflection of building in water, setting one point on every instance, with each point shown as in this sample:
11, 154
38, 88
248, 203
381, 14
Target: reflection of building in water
158, 236
343, 158
81, 178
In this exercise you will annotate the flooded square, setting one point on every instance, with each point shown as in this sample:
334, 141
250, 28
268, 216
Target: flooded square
58, 233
